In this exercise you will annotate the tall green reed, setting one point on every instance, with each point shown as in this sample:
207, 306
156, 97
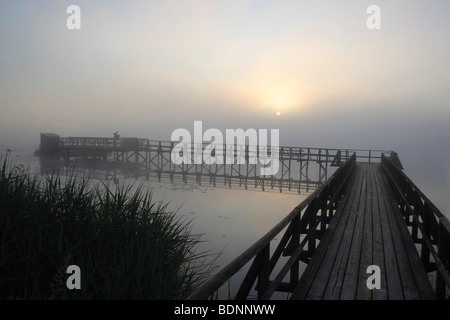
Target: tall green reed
126, 245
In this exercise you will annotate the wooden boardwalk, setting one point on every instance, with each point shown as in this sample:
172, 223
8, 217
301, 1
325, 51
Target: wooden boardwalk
367, 214
367, 229
300, 168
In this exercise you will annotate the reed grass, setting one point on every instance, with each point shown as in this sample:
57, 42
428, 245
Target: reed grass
126, 245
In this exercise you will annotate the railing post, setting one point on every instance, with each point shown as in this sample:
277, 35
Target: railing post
419, 210
444, 255
312, 227
263, 276
259, 269
295, 241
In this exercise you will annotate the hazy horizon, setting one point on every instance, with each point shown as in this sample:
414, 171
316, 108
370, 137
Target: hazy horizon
146, 68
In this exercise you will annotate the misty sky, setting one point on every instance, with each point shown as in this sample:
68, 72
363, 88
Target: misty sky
146, 68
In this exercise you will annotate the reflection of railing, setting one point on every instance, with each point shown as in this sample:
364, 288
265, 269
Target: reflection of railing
309, 219
429, 227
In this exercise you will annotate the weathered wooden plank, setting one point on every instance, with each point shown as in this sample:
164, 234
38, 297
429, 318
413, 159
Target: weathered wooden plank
330, 283
377, 241
394, 286
418, 272
350, 280
304, 284
409, 286
363, 292
336, 227
367, 229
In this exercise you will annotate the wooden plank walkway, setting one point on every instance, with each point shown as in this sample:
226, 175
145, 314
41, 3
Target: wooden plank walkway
367, 229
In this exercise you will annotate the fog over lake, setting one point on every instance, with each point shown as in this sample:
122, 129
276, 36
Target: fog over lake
312, 69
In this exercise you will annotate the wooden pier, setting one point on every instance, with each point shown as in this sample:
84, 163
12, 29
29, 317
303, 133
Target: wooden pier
367, 217
367, 229
301, 169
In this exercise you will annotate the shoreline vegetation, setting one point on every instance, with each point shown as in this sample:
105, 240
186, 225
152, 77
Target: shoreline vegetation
126, 245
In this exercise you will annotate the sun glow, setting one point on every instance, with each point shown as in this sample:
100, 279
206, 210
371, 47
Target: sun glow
274, 98
271, 89
280, 97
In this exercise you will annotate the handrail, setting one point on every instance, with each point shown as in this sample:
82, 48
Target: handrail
263, 264
323, 153
433, 226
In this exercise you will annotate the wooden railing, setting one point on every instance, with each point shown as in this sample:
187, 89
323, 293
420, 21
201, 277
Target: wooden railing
98, 142
428, 226
305, 224
299, 153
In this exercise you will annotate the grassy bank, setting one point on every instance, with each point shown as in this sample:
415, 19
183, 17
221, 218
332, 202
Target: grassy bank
126, 245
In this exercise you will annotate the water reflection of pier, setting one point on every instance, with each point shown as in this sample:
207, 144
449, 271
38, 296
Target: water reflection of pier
301, 169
